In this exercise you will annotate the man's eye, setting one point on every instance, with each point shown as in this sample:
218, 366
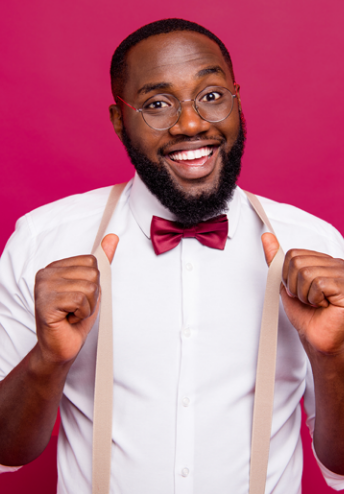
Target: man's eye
157, 105
209, 97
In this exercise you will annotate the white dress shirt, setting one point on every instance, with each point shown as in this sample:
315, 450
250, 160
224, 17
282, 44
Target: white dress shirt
186, 330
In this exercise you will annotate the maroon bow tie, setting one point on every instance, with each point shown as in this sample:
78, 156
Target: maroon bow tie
166, 235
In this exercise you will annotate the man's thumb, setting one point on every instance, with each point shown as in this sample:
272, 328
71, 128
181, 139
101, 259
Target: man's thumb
109, 245
270, 246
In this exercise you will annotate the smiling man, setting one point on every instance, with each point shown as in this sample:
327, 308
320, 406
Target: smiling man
187, 146
186, 310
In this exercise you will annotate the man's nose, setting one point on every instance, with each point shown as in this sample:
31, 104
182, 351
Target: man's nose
189, 122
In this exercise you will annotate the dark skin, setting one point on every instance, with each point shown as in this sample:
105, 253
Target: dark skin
178, 65
313, 283
67, 297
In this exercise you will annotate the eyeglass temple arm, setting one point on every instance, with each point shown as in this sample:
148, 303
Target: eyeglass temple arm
128, 104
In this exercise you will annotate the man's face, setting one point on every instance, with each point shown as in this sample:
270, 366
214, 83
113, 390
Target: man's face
181, 64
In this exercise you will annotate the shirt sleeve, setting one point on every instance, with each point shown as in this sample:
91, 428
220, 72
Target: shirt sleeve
332, 479
17, 321
336, 249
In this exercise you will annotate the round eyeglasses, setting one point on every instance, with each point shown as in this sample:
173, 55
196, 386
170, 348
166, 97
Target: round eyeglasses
162, 111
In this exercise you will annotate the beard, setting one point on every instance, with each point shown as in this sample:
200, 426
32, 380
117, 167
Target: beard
190, 209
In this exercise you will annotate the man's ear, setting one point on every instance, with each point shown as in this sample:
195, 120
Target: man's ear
237, 92
116, 119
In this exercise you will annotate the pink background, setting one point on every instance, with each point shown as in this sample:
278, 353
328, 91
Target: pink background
56, 138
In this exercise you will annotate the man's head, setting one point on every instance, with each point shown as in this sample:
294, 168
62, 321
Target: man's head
118, 69
192, 166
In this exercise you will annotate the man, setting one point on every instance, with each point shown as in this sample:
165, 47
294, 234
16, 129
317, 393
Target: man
186, 320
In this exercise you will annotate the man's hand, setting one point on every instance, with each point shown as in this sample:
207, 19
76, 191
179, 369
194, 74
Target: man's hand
67, 298
313, 295
312, 292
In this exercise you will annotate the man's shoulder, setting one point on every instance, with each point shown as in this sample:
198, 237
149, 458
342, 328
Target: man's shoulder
292, 216
74, 208
291, 222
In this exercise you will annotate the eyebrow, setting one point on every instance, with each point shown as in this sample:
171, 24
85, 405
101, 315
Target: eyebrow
215, 69
147, 88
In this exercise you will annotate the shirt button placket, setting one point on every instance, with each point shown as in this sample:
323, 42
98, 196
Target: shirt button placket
189, 266
186, 401
187, 332
185, 411
185, 472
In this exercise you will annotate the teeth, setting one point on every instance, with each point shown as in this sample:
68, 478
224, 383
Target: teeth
192, 154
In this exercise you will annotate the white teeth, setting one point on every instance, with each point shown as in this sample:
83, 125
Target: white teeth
191, 154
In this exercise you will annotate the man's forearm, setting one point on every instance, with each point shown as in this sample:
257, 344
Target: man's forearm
67, 300
29, 399
328, 372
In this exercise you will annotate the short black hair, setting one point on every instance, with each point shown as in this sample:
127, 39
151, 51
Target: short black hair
118, 63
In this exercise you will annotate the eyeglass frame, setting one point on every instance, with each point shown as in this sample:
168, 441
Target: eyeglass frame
140, 110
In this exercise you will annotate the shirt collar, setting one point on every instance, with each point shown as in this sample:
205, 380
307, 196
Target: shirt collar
144, 205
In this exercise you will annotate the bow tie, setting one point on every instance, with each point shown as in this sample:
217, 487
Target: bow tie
166, 235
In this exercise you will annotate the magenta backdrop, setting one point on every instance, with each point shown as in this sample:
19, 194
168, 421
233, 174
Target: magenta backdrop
56, 138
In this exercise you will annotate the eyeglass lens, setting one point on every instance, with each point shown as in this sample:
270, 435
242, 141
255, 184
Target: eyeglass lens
213, 104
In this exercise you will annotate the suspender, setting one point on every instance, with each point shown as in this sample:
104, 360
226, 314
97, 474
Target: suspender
266, 366
103, 392
265, 378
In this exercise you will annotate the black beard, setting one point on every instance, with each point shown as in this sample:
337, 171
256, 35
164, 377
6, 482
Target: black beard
190, 210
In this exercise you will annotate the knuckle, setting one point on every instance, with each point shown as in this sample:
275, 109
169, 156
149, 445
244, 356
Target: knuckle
91, 261
45, 274
292, 253
288, 256
319, 283
41, 281
91, 275
92, 289
39, 276
305, 272
296, 262
94, 272
79, 298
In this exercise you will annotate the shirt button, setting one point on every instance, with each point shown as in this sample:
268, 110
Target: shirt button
186, 401
185, 472
189, 266
187, 332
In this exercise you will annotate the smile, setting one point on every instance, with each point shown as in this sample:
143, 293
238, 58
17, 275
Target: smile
195, 157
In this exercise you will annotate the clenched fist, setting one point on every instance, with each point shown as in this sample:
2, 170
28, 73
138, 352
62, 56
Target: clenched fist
312, 295
67, 298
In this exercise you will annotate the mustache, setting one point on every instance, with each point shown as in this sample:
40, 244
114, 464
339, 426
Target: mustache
162, 150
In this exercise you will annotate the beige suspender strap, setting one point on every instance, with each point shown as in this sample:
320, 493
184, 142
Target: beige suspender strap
255, 203
103, 393
110, 206
264, 392
266, 366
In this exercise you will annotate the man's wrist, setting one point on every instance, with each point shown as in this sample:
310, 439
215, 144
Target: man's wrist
46, 374
330, 363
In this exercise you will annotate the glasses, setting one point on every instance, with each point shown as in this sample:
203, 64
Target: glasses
162, 111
